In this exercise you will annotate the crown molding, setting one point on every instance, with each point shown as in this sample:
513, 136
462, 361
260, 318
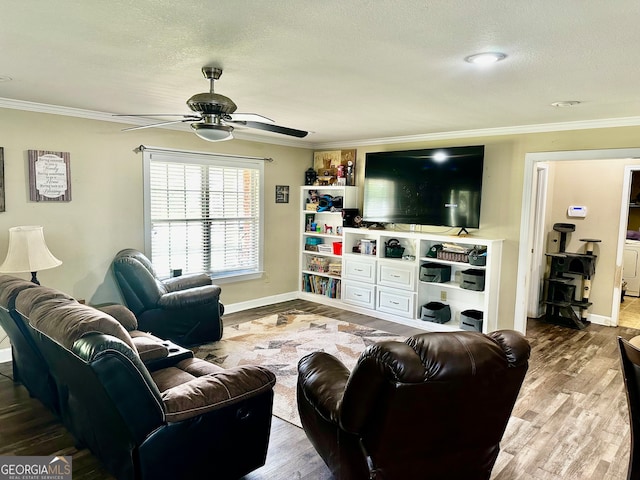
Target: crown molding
489, 132
241, 135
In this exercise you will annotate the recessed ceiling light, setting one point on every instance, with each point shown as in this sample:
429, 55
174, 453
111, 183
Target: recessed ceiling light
485, 58
565, 103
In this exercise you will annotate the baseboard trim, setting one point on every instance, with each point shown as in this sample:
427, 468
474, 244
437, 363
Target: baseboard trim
5, 355
600, 320
260, 302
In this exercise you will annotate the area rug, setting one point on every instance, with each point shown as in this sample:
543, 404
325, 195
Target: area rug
278, 341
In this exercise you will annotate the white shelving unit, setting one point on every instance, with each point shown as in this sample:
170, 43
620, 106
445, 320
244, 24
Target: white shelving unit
390, 288
321, 261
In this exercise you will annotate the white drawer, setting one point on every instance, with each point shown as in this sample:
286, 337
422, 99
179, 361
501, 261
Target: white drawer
361, 269
396, 302
359, 294
397, 275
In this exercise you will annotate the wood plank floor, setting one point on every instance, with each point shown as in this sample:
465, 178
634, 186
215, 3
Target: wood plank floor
570, 420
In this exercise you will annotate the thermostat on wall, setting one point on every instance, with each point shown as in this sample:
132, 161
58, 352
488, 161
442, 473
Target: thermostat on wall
577, 211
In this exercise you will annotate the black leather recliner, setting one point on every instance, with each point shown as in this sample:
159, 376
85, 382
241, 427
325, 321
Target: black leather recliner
189, 419
435, 406
185, 309
29, 366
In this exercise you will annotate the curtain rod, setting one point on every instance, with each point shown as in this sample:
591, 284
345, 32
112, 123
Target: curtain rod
141, 148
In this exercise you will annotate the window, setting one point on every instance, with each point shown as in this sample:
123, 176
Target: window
203, 213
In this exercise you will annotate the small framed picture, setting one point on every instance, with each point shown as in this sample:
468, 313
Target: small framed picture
282, 193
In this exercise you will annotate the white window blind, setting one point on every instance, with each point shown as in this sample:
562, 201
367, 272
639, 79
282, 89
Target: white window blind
203, 213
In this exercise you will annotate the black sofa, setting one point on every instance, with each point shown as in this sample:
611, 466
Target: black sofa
172, 417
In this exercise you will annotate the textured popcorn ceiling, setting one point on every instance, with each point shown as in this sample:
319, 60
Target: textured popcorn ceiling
346, 70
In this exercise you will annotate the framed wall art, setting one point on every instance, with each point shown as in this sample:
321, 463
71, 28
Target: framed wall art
49, 176
282, 193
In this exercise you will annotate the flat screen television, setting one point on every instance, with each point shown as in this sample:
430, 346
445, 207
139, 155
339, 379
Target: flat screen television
440, 186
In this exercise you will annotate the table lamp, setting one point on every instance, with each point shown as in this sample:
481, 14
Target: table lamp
28, 252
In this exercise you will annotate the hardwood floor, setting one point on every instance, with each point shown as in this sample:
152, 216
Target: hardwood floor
570, 420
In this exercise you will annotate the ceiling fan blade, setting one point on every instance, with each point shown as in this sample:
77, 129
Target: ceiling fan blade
156, 115
247, 117
276, 129
140, 127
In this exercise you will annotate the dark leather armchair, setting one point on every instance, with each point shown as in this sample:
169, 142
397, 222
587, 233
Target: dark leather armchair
435, 406
185, 309
630, 357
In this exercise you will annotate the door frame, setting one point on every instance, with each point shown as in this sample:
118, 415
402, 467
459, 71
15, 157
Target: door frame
528, 216
541, 185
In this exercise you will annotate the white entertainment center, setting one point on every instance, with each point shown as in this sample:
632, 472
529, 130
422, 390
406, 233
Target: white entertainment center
350, 268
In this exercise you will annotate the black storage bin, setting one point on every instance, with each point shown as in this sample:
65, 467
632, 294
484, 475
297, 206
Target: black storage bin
471, 320
478, 257
436, 312
435, 272
472, 279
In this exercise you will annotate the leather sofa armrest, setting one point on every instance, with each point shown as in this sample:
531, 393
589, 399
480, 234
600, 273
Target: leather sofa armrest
322, 379
192, 297
149, 347
183, 282
215, 391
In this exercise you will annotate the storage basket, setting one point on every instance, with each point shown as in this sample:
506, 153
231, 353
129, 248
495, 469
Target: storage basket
472, 279
478, 257
453, 256
323, 248
471, 320
436, 312
435, 272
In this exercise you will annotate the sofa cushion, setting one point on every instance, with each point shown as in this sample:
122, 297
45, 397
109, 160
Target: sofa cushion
67, 323
31, 299
122, 314
10, 287
193, 387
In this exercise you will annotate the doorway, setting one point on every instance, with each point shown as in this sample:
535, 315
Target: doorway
530, 226
630, 297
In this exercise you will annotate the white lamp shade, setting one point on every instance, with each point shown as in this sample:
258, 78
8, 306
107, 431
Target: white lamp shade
28, 252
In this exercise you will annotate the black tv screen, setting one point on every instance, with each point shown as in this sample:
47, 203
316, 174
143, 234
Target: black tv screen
440, 186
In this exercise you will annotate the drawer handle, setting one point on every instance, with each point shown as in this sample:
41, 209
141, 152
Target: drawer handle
358, 270
357, 295
394, 276
394, 303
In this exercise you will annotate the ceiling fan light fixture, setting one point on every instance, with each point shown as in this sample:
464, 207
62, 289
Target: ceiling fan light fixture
212, 132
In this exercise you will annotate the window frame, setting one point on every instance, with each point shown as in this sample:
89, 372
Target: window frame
205, 158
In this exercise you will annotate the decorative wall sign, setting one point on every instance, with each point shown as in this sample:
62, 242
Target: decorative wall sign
49, 176
2, 204
282, 193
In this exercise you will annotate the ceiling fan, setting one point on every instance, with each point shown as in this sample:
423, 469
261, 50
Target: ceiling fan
215, 115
